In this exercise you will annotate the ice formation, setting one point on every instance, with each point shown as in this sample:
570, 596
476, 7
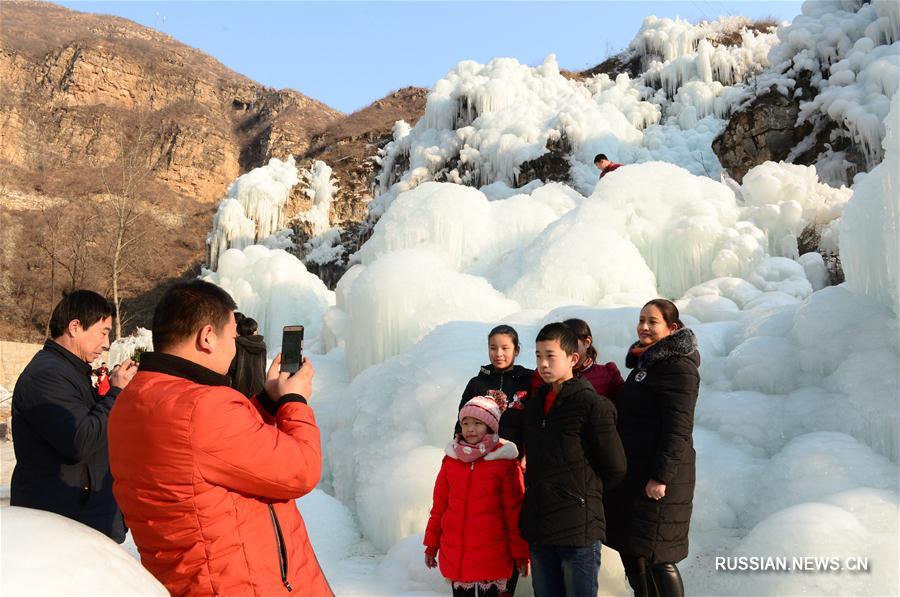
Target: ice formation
47, 554
325, 248
320, 190
124, 348
483, 122
797, 416
461, 223
850, 53
395, 301
784, 199
253, 208
871, 224
273, 287
694, 66
497, 116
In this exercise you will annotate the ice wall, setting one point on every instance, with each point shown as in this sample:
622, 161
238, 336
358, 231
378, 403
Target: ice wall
482, 122
870, 250
496, 116
850, 54
273, 287
695, 66
783, 199
686, 227
648, 229
399, 298
253, 208
462, 224
321, 188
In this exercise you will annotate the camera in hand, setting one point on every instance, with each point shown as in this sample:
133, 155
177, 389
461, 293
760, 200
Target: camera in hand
291, 348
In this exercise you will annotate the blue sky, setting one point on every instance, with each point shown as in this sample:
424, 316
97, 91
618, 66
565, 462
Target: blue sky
348, 54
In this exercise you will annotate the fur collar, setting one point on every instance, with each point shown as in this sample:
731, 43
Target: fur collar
505, 450
681, 343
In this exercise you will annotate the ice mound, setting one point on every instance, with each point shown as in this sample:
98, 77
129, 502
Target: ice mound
273, 287
47, 554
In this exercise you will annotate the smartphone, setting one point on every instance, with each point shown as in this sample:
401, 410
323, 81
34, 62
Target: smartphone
291, 348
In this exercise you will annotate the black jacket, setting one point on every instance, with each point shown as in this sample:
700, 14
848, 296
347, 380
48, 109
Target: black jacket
59, 431
515, 383
248, 369
656, 421
573, 455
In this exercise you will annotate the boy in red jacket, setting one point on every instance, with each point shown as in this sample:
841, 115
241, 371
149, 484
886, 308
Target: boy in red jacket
466, 517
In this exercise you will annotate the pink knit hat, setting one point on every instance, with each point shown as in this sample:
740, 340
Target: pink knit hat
485, 409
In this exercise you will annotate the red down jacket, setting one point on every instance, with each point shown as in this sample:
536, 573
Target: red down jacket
207, 481
474, 523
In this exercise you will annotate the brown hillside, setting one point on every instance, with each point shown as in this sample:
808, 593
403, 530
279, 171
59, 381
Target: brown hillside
73, 81
96, 108
83, 96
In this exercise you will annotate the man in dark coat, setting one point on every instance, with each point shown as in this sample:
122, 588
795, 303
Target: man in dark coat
573, 454
59, 420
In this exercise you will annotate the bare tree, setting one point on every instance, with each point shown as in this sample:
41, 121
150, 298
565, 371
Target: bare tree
125, 183
76, 255
65, 234
48, 241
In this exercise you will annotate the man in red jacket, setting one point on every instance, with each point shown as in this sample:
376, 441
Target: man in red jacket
604, 165
206, 477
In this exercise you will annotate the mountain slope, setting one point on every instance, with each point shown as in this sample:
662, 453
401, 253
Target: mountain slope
88, 98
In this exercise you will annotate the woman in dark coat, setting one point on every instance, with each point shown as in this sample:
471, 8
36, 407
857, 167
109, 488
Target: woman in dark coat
248, 369
649, 513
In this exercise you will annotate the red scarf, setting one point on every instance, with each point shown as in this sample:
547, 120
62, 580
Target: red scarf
467, 452
639, 350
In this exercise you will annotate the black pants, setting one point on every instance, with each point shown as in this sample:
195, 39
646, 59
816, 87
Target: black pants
476, 592
653, 580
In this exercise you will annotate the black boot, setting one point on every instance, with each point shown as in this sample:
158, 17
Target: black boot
667, 580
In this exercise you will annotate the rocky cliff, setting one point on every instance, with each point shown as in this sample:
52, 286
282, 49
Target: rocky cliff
87, 97
73, 82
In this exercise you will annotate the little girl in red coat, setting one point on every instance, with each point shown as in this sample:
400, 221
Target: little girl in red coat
473, 530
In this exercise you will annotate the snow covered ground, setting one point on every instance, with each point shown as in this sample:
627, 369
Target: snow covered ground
797, 421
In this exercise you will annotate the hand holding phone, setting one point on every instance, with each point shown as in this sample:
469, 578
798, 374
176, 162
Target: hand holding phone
279, 383
291, 348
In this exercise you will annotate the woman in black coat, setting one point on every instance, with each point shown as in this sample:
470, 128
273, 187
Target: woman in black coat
248, 369
649, 513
